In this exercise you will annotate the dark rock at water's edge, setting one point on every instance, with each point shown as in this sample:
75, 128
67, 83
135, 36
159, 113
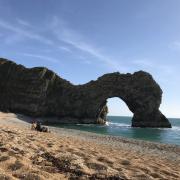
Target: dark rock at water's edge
40, 92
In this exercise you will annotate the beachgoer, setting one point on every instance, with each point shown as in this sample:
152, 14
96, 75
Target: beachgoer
38, 126
33, 125
45, 129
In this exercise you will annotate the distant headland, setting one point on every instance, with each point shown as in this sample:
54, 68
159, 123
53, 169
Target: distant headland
39, 92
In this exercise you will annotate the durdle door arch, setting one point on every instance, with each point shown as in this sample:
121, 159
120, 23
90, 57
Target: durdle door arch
39, 92
140, 93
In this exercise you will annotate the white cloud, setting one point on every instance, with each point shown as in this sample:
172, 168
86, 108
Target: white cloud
45, 58
73, 40
25, 33
63, 48
77, 41
23, 30
23, 22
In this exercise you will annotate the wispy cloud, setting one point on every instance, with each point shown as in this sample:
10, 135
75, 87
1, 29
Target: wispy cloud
77, 41
23, 30
23, 22
63, 48
45, 58
25, 33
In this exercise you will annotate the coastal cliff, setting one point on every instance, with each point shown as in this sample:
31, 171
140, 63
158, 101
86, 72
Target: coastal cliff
39, 92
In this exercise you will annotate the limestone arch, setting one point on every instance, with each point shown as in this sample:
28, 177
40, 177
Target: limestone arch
41, 92
140, 93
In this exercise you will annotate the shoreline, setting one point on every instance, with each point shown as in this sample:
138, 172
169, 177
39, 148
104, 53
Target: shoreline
95, 154
114, 141
169, 151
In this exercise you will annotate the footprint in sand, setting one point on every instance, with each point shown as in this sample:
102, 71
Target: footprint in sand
4, 158
50, 145
157, 175
3, 149
15, 166
96, 166
71, 150
105, 160
125, 162
18, 151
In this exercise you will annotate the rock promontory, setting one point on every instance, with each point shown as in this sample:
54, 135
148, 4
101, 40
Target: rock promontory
39, 92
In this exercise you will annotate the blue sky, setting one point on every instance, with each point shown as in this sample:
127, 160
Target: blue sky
83, 39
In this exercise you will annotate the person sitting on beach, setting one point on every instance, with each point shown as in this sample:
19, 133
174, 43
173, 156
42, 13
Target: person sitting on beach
45, 129
33, 125
41, 128
38, 126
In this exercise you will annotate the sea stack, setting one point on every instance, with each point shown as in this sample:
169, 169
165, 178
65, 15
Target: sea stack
39, 92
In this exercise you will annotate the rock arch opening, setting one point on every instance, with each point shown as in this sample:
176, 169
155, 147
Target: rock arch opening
117, 107
113, 106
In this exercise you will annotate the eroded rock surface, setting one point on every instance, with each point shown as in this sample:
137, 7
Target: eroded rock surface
40, 92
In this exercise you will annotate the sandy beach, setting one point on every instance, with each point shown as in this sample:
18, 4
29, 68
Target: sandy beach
73, 154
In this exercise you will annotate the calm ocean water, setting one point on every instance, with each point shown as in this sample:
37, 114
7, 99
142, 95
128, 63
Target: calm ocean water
121, 126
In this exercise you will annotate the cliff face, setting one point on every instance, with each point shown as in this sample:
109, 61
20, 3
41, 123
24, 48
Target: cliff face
40, 92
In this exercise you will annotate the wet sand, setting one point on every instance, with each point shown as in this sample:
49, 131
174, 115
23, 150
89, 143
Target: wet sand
73, 154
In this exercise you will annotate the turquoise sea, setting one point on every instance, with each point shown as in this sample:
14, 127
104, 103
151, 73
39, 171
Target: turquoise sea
121, 126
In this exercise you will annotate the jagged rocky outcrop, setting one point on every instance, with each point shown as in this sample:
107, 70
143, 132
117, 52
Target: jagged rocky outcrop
40, 92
